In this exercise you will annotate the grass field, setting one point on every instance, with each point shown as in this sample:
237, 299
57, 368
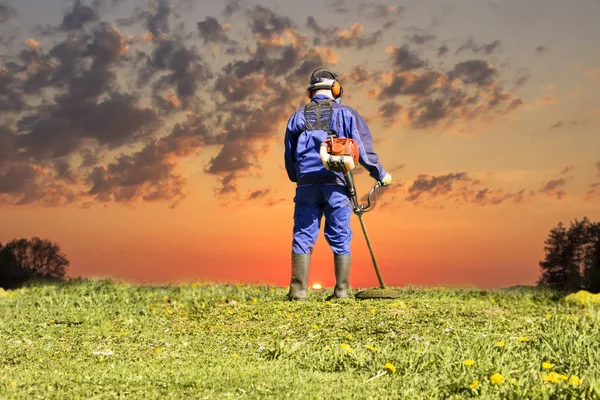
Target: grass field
101, 339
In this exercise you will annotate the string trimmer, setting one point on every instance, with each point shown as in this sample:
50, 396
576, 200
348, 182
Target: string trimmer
342, 155
382, 292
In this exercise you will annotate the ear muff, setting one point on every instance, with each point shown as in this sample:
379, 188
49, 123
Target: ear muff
336, 87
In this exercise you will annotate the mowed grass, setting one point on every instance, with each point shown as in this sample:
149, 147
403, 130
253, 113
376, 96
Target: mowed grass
102, 339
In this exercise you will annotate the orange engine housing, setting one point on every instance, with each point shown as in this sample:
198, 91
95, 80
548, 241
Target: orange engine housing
343, 147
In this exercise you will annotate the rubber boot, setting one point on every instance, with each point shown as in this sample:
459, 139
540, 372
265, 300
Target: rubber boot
342, 276
299, 280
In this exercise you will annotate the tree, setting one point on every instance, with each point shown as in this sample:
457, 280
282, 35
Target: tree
572, 257
22, 260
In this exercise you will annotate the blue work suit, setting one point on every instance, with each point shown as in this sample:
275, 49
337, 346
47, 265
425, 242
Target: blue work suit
320, 192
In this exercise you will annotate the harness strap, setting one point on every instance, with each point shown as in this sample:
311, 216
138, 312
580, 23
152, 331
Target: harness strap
318, 116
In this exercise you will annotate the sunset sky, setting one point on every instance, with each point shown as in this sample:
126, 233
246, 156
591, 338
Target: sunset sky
146, 136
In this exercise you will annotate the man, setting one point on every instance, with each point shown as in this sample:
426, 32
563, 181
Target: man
321, 191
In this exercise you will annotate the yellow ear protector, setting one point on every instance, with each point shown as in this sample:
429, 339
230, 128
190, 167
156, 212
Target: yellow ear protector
336, 88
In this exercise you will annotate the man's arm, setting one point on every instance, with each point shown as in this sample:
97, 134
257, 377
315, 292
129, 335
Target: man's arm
368, 158
290, 142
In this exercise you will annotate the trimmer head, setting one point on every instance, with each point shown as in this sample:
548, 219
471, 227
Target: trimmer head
377, 293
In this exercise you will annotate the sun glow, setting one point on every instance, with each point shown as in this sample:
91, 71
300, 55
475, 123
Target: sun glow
317, 286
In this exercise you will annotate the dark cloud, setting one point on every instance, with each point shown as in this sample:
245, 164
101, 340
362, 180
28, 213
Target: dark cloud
422, 38
434, 185
78, 16
540, 50
488, 48
406, 59
11, 96
6, 11
358, 75
158, 22
61, 129
389, 111
443, 49
268, 24
232, 7
478, 72
561, 124
554, 188
184, 69
407, 84
212, 32
258, 194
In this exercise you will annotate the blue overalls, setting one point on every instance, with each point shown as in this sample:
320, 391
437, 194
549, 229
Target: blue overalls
320, 191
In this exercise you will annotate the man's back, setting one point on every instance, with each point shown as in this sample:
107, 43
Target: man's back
304, 138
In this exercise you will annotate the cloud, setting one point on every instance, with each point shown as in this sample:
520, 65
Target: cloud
594, 188
541, 50
554, 188
6, 11
421, 38
488, 48
443, 49
405, 59
212, 32
434, 185
561, 124
478, 72
258, 194
100, 115
179, 67
343, 38
78, 16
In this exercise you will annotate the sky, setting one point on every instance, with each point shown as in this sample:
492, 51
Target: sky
145, 137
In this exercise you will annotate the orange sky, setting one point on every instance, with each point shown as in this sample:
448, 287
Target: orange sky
209, 198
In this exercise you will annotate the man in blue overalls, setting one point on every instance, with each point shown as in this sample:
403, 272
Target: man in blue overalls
321, 191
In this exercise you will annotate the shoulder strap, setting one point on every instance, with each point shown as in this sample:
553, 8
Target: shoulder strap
318, 116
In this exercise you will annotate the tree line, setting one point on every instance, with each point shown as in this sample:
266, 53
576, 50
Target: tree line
571, 263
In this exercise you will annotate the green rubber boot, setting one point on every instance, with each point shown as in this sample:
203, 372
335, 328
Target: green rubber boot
342, 276
299, 280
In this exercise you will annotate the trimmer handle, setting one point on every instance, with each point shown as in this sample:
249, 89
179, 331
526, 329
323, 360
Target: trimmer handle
361, 209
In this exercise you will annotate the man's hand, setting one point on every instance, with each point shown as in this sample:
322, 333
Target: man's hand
387, 179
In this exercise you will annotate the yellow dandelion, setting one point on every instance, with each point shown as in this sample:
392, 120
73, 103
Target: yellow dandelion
390, 367
254, 300
314, 327
496, 379
548, 315
165, 298
101, 359
12, 383
372, 348
236, 355
575, 380
346, 347
373, 311
468, 363
523, 339
554, 377
547, 365
123, 333
51, 321
158, 350
474, 384
500, 344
